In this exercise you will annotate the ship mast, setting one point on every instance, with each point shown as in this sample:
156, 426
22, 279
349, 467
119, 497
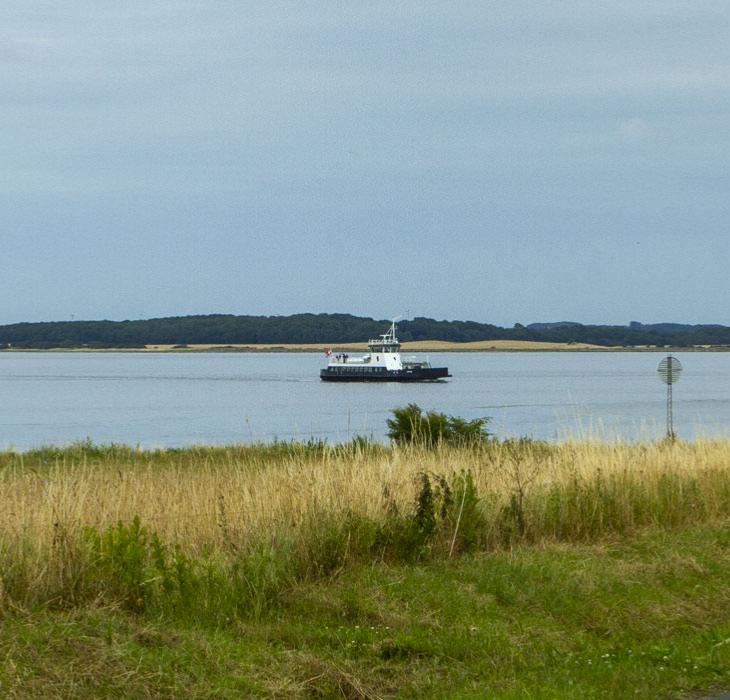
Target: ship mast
388, 342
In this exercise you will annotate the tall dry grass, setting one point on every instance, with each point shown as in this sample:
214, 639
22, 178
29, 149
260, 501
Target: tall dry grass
187, 494
225, 501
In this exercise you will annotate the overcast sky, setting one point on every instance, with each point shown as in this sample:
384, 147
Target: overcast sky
496, 161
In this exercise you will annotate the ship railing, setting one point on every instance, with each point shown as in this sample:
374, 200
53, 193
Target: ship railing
384, 345
416, 364
345, 359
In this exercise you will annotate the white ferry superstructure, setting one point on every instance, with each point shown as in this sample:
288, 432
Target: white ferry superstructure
383, 363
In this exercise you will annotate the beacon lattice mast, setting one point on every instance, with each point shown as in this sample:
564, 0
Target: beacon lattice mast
669, 370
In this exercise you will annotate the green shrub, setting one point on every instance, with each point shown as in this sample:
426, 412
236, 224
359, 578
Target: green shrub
466, 515
446, 517
119, 561
410, 426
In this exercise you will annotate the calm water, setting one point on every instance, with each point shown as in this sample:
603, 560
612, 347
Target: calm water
179, 399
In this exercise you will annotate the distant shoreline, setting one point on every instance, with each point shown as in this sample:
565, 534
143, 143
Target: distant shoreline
419, 346
221, 332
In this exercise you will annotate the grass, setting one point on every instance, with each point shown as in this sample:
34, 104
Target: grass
222, 498
645, 618
516, 569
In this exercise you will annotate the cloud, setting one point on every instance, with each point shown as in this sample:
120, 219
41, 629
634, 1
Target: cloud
407, 120
634, 129
40, 43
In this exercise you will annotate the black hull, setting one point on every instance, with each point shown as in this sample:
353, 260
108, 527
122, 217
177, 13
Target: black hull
355, 374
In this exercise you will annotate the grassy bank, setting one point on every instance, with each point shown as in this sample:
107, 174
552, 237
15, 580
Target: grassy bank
645, 618
366, 571
229, 499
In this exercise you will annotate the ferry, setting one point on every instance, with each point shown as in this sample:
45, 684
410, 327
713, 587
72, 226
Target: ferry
383, 363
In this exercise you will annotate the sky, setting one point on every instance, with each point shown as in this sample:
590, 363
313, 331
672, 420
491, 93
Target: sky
501, 162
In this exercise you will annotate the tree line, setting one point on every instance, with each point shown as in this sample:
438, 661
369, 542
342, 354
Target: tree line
223, 329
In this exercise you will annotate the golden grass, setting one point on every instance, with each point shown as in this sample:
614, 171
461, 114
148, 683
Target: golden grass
229, 496
314, 508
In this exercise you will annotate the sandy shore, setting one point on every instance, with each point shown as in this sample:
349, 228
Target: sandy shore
407, 347
413, 346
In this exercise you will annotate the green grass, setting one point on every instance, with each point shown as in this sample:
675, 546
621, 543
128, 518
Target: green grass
113, 455
647, 616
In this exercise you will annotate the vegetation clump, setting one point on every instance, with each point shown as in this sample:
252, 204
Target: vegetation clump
411, 426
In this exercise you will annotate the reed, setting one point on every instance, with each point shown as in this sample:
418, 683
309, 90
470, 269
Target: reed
240, 523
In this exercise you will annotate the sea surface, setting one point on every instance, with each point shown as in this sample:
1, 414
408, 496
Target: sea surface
178, 399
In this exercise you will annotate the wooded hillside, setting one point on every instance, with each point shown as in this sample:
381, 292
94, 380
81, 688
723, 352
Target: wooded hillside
336, 328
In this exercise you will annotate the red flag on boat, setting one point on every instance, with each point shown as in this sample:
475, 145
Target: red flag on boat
328, 352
